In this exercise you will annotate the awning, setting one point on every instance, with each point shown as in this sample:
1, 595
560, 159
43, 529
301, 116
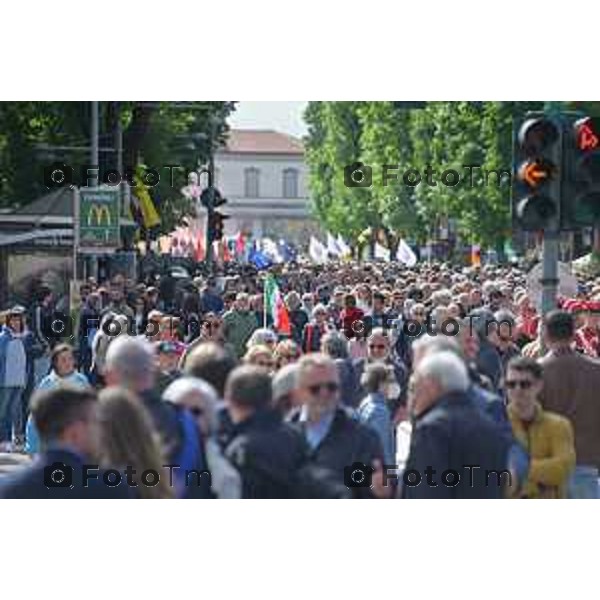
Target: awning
17, 238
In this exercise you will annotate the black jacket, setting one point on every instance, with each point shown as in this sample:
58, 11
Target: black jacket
347, 442
489, 363
31, 482
268, 454
452, 435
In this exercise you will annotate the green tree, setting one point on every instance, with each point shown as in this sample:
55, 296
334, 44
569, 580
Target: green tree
333, 143
154, 133
387, 148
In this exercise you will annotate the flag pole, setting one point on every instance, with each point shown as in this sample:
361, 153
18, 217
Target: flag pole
265, 303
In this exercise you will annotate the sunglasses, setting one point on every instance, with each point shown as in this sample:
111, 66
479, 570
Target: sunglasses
330, 386
524, 384
377, 346
196, 411
167, 347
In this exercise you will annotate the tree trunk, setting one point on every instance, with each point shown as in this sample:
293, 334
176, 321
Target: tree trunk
133, 136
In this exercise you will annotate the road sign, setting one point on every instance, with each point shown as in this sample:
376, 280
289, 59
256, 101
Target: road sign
567, 283
97, 220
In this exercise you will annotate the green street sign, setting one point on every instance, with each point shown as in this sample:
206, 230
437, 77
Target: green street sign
97, 219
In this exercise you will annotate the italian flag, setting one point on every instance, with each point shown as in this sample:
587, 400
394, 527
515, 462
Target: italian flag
275, 307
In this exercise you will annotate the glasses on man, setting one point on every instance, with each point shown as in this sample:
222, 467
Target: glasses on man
317, 388
512, 384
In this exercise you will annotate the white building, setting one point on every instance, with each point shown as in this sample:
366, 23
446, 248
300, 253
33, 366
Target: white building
264, 178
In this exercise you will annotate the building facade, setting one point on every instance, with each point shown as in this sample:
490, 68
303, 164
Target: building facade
264, 178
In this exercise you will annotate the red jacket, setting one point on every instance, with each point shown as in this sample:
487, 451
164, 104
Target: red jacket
348, 317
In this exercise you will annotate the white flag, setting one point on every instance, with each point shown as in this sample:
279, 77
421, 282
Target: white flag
344, 248
406, 255
317, 251
269, 247
332, 246
381, 252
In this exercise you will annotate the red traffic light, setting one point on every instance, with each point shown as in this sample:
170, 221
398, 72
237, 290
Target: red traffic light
586, 134
536, 135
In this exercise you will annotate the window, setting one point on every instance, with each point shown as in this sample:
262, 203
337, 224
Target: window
290, 183
251, 180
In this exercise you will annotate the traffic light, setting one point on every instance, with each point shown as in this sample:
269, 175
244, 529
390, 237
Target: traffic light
216, 225
582, 174
537, 179
211, 198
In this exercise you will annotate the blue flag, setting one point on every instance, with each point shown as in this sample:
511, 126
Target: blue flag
259, 259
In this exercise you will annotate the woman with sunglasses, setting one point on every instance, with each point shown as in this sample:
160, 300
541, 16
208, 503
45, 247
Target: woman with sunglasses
211, 330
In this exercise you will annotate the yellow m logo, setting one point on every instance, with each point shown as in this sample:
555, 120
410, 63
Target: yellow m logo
98, 213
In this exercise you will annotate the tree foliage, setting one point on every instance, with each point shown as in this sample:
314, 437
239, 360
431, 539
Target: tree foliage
446, 136
154, 133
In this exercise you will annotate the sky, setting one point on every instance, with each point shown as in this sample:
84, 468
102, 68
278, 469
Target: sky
284, 116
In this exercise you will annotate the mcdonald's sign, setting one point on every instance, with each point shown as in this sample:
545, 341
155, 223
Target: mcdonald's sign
97, 219
98, 213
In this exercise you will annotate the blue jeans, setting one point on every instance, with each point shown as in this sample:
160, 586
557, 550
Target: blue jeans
10, 412
584, 483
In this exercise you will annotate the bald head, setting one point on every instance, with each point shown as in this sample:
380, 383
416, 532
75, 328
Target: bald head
131, 363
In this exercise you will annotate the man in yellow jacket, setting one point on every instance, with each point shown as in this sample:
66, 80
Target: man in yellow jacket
546, 436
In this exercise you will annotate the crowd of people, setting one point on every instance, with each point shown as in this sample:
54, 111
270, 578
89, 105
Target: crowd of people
436, 381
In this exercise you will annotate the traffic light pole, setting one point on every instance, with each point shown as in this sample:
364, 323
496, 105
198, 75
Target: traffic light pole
549, 281
208, 257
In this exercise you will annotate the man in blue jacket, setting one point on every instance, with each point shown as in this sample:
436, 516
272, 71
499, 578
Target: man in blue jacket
16, 355
63, 417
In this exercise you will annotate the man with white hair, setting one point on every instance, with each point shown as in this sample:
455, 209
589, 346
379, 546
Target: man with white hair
131, 364
338, 444
456, 452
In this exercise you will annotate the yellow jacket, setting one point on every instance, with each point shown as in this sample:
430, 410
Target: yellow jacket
551, 447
